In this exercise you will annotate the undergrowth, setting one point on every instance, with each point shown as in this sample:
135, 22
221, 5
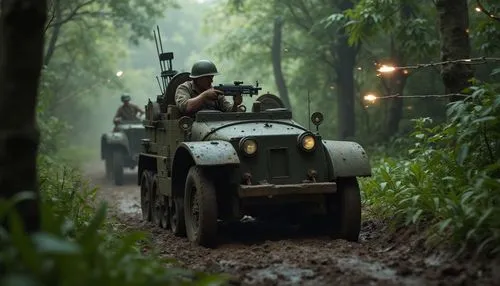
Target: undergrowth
78, 245
448, 179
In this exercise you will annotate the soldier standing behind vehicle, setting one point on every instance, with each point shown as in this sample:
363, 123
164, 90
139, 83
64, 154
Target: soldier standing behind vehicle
198, 93
128, 111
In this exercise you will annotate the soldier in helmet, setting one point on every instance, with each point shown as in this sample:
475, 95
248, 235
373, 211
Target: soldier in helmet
198, 93
128, 111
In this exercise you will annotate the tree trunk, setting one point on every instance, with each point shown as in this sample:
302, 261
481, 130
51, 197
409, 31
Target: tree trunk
55, 32
395, 114
346, 59
276, 59
455, 44
21, 55
397, 82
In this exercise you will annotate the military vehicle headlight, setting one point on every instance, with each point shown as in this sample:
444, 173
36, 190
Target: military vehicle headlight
307, 142
248, 146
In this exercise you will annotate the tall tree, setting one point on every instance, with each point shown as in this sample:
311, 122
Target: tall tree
21, 48
455, 44
344, 68
276, 59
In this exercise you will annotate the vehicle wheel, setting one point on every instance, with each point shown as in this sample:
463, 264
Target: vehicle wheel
108, 164
177, 222
347, 213
165, 214
200, 208
155, 201
118, 162
146, 184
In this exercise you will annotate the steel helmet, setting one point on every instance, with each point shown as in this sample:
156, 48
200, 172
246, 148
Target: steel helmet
125, 97
203, 68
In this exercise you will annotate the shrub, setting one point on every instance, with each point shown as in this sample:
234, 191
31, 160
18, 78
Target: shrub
55, 257
449, 179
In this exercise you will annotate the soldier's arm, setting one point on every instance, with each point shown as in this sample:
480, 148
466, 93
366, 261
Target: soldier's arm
185, 103
138, 109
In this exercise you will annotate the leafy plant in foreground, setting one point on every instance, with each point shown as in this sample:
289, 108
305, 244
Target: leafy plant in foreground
59, 255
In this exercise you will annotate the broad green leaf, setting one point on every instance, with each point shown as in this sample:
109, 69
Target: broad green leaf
463, 153
484, 119
51, 244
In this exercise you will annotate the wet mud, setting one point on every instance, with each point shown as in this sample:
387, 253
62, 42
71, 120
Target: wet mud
264, 254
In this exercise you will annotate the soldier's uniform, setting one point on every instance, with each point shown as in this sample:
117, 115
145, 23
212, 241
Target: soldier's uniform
188, 90
128, 112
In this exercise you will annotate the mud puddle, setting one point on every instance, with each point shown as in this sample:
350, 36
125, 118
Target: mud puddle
284, 273
376, 270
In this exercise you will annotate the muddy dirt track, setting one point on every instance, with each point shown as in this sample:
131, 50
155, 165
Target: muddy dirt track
272, 255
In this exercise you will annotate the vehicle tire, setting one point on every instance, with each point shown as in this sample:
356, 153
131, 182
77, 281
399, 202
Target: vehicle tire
118, 164
165, 214
200, 208
347, 212
108, 165
156, 201
146, 183
177, 221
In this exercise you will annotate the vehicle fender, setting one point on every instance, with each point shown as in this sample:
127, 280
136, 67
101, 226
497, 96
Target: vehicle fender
111, 140
204, 153
211, 153
348, 159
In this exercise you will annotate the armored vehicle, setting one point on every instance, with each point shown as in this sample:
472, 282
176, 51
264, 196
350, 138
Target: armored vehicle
196, 171
120, 148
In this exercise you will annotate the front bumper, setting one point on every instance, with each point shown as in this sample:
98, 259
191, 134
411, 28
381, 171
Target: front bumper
271, 190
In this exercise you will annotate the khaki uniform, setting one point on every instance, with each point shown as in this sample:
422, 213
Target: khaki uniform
128, 112
188, 90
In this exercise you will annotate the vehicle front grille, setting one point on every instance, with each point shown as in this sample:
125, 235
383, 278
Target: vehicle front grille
279, 163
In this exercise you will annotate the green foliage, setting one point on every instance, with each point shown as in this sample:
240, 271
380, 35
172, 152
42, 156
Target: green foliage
51, 258
65, 191
449, 180
405, 23
484, 31
77, 245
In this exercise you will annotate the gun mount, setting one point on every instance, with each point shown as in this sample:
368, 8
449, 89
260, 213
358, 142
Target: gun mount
238, 88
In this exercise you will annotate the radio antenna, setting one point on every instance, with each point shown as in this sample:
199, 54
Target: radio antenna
161, 89
159, 57
158, 51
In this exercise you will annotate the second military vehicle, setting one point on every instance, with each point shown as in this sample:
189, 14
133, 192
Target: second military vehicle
194, 172
120, 148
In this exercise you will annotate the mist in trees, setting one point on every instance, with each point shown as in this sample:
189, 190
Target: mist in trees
329, 50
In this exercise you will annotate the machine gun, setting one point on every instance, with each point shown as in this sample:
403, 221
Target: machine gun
238, 88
